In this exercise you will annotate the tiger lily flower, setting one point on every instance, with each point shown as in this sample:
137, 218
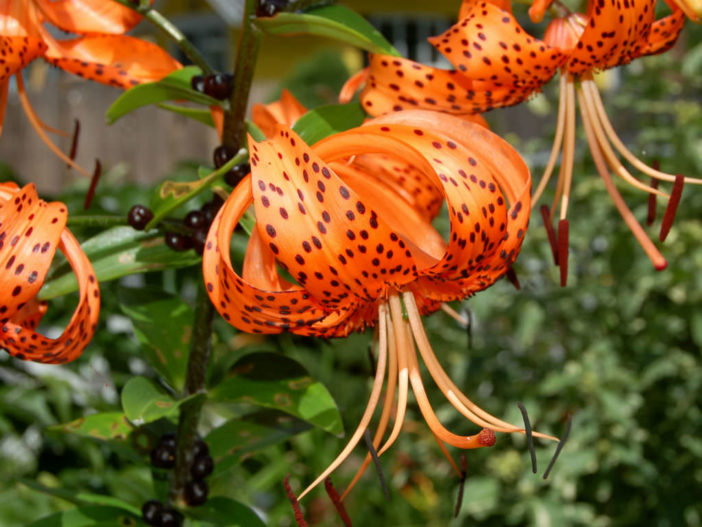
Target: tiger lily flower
362, 251
101, 53
30, 232
286, 110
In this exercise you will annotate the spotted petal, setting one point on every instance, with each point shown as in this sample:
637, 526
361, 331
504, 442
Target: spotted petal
117, 60
89, 16
664, 33
17, 53
31, 231
285, 111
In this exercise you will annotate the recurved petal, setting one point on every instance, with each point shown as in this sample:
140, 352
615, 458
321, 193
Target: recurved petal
319, 228
118, 60
396, 84
17, 52
664, 33
287, 110
88, 16
18, 337
30, 230
241, 303
487, 188
489, 45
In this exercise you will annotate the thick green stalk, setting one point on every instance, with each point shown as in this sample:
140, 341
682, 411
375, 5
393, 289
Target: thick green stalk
247, 53
202, 330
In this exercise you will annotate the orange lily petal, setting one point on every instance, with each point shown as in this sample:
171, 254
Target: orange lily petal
320, 230
240, 303
287, 110
31, 231
18, 52
664, 33
396, 84
489, 45
117, 60
88, 16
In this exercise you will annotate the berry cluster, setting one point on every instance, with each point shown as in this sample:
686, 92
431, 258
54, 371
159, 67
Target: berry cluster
218, 85
197, 223
220, 156
195, 493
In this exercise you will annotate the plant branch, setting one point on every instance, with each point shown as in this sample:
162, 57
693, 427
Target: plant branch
195, 382
96, 220
172, 32
249, 41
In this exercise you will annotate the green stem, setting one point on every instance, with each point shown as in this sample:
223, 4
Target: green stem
204, 311
247, 53
195, 382
171, 32
106, 220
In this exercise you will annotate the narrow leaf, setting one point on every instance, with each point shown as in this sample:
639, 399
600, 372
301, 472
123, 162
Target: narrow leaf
143, 402
107, 425
175, 86
91, 516
337, 22
197, 114
226, 512
118, 252
326, 120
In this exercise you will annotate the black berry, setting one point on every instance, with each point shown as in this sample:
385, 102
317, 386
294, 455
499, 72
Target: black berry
199, 239
151, 511
236, 174
170, 518
221, 155
200, 448
163, 457
197, 83
195, 219
219, 85
139, 216
270, 7
196, 492
202, 467
178, 242
168, 440
211, 207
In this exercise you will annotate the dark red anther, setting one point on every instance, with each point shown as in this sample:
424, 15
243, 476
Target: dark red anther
546, 216
376, 462
672, 207
299, 516
487, 437
563, 250
651, 216
511, 275
93, 185
74, 141
336, 500
462, 485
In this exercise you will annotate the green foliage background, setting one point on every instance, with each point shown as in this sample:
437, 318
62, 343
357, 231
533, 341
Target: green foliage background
618, 349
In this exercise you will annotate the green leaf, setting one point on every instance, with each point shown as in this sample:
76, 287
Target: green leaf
172, 194
91, 516
276, 381
337, 22
225, 512
197, 114
118, 252
175, 86
163, 324
143, 402
253, 432
107, 425
327, 120
82, 498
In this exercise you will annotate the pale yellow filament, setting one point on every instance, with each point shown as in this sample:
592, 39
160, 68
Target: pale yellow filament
589, 86
372, 401
38, 127
557, 140
462, 320
647, 245
565, 176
